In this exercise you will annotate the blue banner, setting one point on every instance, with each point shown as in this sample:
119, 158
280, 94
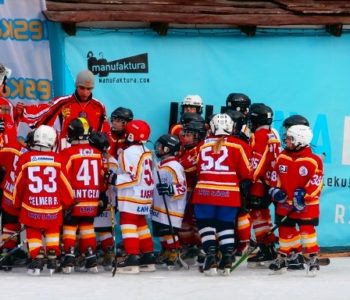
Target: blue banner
292, 73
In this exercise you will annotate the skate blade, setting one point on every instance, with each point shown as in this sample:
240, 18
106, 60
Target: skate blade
93, 270
259, 265
278, 272
211, 272
148, 268
311, 273
67, 270
33, 272
224, 272
128, 270
52, 271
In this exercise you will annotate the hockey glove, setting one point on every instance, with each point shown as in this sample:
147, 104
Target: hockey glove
298, 199
110, 177
165, 189
2, 125
102, 205
278, 194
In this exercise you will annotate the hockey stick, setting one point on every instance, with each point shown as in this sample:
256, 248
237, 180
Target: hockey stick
245, 255
172, 232
12, 251
13, 235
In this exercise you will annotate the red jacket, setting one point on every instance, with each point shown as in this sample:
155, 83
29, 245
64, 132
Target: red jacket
301, 169
221, 170
41, 189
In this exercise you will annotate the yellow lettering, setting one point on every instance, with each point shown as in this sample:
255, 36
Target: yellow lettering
44, 89
30, 89
8, 32
20, 31
36, 28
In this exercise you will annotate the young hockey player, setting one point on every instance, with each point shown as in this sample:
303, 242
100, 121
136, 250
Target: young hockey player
85, 172
41, 191
169, 201
193, 133
119, 118
297, 181
135, 193
105, 220
265, 149
222, 165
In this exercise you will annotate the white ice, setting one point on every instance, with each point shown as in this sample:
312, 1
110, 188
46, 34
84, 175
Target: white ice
332, 282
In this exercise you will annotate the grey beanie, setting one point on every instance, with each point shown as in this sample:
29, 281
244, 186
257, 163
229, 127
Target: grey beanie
86, 79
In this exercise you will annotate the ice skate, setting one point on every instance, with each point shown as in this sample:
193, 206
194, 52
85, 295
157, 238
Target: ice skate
295, 261
210, 263
313, 266
6, 260
52, 262
147, 262
189, 254
91, 261
226, 262
263, 258
279, 265
108, 259
69, 261
36, 265
130, 264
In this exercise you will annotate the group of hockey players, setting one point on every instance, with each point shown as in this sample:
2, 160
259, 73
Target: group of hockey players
204, 190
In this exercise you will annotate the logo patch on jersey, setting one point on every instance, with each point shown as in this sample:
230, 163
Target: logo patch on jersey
303, 171
283, 168
86, 152
41, 158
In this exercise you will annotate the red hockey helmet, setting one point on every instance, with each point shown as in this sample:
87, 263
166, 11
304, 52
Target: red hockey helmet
137, 131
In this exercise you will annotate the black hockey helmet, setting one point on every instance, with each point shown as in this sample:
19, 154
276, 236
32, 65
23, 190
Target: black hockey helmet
239, 102
169, 144
99, 140
198, 130
188, 117
259, 115
238, 119
295, 120
78, 129
122, 113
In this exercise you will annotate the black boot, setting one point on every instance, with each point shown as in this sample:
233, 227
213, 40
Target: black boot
6, 260
68, 261
91, 261
130, 264
210, 262
313, 265
147, 262
226, 262
108, 259
37, 264
279, 265
265, 255
52, 261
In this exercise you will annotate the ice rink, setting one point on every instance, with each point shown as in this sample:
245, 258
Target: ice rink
332, 282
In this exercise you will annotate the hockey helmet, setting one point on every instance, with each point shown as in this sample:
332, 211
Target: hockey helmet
45, 136
78, 129
197, 129
239, 102
188, 117
221, 124
259, 115
99, 140
167, 145
193, 100
295, 120
122, 113
137, 131
238, 119
300, 136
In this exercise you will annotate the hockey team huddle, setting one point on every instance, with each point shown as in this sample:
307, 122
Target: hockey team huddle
204, 190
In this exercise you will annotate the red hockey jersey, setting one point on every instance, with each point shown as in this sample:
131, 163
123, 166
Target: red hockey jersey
41, 189
222, 164
84, 166
301, 169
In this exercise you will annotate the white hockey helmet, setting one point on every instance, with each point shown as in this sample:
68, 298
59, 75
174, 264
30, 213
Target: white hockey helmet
299, 135
221, 124
4, 71
193, 100
45, 136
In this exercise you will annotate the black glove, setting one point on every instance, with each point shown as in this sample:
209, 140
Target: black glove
278, 194
165, 189
298, 199
103, 203
110, 177
2, 125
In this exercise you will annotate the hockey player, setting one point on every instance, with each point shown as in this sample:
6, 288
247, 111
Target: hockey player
169, 200
60, 111
265, 149
105, 220
238, 102
85, 172
119, 118
296, 185
135, 185
222, 165
41, 191
193, 133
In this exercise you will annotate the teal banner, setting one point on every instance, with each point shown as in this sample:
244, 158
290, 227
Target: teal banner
293, 72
